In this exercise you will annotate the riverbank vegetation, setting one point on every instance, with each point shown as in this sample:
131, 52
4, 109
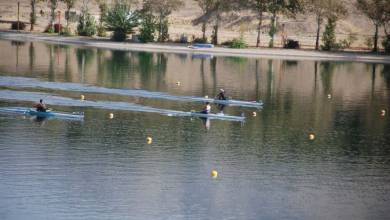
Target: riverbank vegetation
148, 20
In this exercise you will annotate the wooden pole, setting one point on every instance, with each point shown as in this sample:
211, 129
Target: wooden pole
59, 23
18, 16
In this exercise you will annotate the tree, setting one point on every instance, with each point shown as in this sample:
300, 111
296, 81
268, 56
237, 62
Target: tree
205, 6
53, 7
318, 9
87, 25
162, 8
33, 15
329, 37
69, 5
258, 7
148, 27
334, 10
275, 7
120, 20
375, 10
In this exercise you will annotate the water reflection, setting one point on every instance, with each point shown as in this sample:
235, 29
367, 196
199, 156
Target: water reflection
268, 163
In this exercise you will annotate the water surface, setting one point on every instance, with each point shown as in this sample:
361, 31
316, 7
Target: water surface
102, 168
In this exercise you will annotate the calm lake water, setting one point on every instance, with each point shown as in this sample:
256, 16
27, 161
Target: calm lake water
268, 168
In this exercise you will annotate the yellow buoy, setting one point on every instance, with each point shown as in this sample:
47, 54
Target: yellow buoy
82, 97
312, 136
214, 174
111, 115
254, 114
149, 140
329, 96
383, 112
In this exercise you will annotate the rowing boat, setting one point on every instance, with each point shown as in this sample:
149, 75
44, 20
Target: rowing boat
47, 114
76, 87
232, 102
218, 116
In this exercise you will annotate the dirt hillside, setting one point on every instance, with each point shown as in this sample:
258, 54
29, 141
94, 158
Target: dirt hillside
302, 28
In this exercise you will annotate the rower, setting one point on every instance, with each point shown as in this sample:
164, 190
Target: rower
206, 109
40, 106
221, 95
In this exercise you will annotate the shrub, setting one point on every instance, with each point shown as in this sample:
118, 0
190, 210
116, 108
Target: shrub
14, 25
49, 29
101, 31
87, 25
148, 28
238, 43
291, 44
369, 43
120, 20
200, 41
66, 31
386, 44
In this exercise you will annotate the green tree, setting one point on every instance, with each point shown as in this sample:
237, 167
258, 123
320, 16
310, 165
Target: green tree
69, 5
53, 7
335, 9
148, 27
329, 37
162, 8
318, 9
375, 10
275, 7
120, 20
87, 24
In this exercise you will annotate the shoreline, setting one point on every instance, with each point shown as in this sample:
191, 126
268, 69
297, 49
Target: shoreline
274, 53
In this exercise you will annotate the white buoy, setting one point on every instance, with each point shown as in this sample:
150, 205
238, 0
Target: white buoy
254, 114
329, 96
312, 137
206, 96
82, 97
178, 83
111, 115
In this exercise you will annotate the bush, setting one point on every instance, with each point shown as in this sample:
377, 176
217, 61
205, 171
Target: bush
291, 44
369, 43
49, 29
386, 44
238, 43
120, 20
101, 31
199, 41
346, 43
227, 43
66, 31
148, 28
119, 35
14, 25
87, 25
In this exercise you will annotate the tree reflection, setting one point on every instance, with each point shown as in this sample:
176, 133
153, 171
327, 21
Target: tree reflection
31, 55
327, 69
386, 75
